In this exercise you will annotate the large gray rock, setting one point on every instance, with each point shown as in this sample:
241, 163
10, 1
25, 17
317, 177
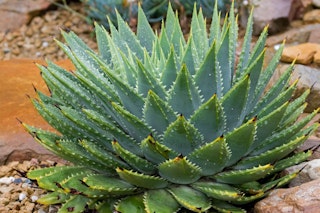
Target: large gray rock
316, 3
300, 199
275, 13
308, 171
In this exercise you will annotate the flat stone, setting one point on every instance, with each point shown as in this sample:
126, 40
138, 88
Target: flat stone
308, 171
16, 80
314, 36
302, 53
300, 199
316, 3
312, 16
295, 36
316, 58
275, 13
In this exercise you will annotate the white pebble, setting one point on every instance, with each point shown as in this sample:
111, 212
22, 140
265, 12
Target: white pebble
45, 44
22, 196
34, 198
277, 46
6, 180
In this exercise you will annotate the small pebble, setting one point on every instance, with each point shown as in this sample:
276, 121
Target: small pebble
17, 180
6, 180
34, 198
22, 196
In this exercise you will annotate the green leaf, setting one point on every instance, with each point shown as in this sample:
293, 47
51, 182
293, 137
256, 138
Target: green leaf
169, 74
157, 113
133, 160
73, 184
220, 191
240, 140
215, 25
268, 124
129, 38
76, 204
272, 155
226, 207
188, 58
81, 156
173, 30
278, 101
179, 170
155, 151
102, 155
131, 204
131, 100
244, 56
136, 128
147, 81
283, 136
145, 33
160, 201
181, 136
184, 97
102, 42
291, 161
48, 177
142, 180
126, 141
234, 102
265, 78
211, 157
243, 176
190, 198
53, 198
112, 186
209, 119
208, 75
199, 33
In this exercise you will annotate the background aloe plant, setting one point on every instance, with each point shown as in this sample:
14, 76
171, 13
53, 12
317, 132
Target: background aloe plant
155, 10
160, 124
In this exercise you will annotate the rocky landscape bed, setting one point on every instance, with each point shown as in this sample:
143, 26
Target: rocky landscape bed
36, 40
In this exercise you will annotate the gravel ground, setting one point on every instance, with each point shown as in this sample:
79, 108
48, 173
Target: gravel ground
35, 40
19, 194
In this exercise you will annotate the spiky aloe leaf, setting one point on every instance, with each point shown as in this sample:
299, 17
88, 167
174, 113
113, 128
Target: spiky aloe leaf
131, 204
142, 180
160, 201
211, 157
244, 176
54, 198
190, 198
218, 191
179, 170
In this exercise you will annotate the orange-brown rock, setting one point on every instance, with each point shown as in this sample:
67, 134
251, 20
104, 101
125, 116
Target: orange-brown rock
316, 58
302, 199
312, 16
17, 78
303, 53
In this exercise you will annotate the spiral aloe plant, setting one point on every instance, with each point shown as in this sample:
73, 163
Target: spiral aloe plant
157, 123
